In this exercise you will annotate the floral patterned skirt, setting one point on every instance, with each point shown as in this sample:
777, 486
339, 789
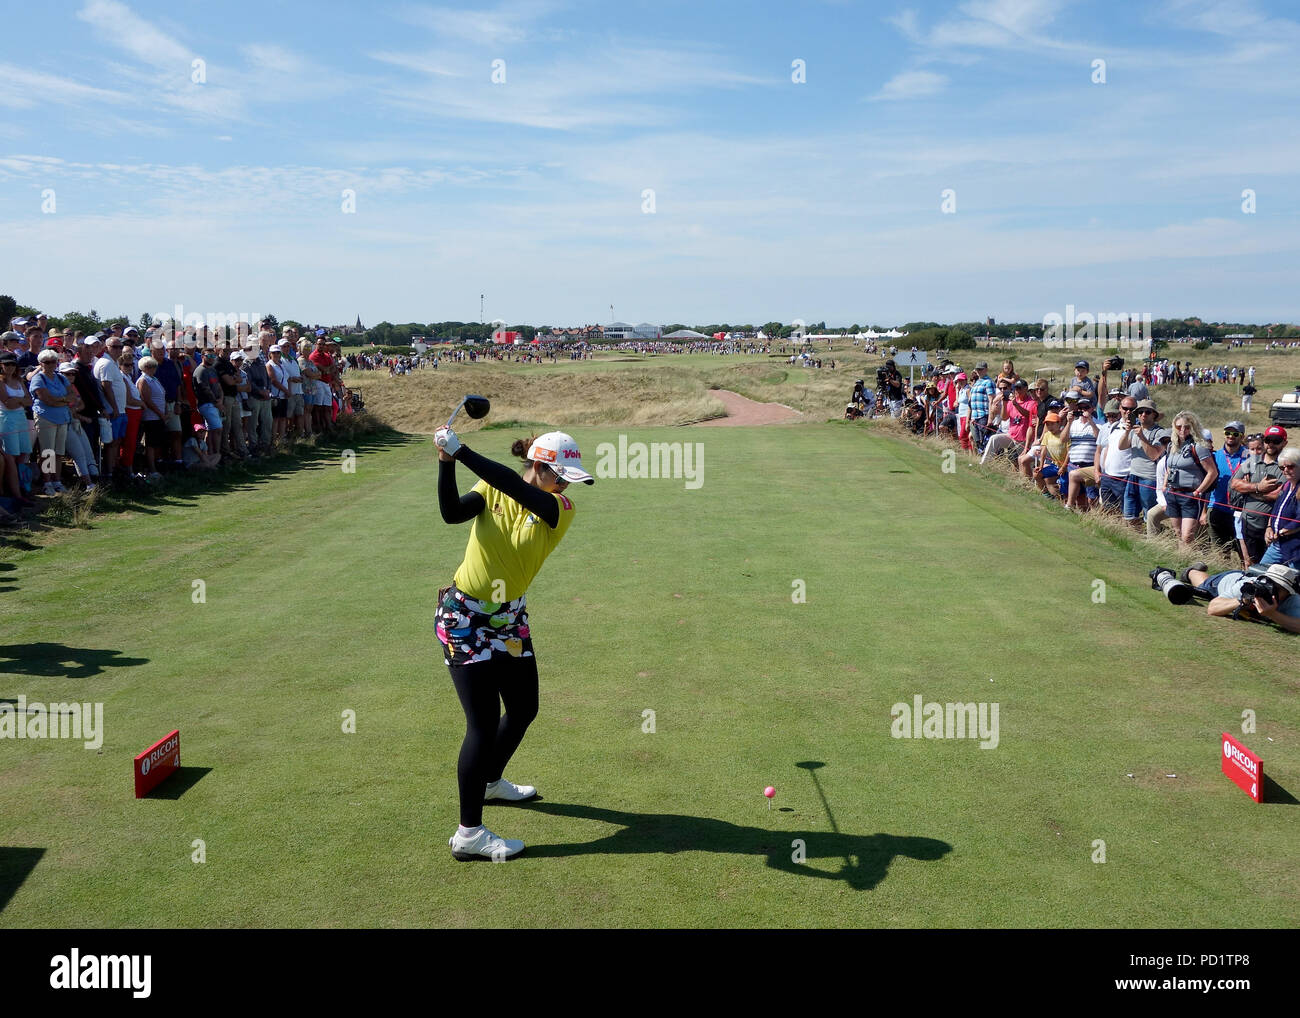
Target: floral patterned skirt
471, 630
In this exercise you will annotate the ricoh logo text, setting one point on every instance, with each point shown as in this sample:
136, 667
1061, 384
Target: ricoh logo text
923, 720
634, 460
1239, 758
162, 751
23, 720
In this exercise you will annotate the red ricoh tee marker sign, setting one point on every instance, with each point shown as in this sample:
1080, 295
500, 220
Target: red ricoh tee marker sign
1244, 768
157, 763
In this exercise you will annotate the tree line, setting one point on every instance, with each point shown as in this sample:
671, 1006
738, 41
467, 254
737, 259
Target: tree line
924, 335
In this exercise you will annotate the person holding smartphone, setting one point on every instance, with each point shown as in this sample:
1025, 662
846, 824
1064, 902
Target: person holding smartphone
1260, 482
1147, 440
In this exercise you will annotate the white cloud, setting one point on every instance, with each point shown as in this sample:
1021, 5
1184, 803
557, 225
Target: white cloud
911, 85
429, 63
158, 74
273, 59
21, 88
1239, 20
1019, 17
506, 25
123, 28
989, 24
907, 23
567, 93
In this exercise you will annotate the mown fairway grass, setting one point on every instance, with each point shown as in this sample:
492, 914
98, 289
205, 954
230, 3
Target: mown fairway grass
318, 595
627, 390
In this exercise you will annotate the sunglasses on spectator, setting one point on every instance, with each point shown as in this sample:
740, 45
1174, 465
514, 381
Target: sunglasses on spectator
1288, 466
1231, 431
1272, 439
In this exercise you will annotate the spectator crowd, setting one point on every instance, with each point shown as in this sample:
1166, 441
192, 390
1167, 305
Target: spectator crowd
1103, 447
120, 407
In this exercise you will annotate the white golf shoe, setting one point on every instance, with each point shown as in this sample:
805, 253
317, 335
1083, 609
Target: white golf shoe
508, 791
483, 845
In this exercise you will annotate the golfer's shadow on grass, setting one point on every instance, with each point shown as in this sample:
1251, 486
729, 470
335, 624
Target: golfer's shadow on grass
864, 858
60, 660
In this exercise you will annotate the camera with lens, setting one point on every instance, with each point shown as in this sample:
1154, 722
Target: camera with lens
1114, 364
881, 374
1165, 581
1269, 583
1259, 587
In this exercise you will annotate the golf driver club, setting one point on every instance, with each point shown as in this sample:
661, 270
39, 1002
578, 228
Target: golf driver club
476, 406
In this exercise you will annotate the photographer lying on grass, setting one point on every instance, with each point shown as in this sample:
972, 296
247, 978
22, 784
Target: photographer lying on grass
1254, 603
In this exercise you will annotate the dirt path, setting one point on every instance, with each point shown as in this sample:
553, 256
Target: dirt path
742, 412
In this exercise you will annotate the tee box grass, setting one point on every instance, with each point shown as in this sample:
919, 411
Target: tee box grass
694, 647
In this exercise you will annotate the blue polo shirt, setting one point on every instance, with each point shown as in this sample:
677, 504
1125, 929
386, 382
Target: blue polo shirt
58, 388
1227, 465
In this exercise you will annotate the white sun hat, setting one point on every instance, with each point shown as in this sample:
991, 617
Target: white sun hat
560, 451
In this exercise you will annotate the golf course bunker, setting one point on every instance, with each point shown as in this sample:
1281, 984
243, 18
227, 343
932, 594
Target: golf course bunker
742, 412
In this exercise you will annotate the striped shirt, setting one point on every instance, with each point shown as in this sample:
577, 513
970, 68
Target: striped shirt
981, 394
1083, 444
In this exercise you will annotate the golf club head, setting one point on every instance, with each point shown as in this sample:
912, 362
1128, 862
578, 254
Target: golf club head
476, 406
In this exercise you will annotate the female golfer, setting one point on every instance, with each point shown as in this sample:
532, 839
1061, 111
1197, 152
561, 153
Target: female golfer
482, 617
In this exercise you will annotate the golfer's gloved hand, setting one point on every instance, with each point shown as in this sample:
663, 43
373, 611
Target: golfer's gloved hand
445, 439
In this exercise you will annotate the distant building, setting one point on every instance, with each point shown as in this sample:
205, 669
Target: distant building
624, 330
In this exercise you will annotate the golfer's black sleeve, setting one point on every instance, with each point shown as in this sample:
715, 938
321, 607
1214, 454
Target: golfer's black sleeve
540, 503
456, 508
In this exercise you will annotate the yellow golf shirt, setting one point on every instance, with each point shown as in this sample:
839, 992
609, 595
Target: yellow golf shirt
507, 543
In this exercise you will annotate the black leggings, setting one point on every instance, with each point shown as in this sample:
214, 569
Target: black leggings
490, 738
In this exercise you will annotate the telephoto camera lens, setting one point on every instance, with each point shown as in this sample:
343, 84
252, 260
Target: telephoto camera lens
1170, 585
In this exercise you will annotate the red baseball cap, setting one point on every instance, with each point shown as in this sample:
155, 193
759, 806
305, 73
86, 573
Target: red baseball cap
1275, 430
54, 344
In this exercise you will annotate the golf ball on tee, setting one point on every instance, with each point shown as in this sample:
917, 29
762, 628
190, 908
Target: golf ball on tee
769, 791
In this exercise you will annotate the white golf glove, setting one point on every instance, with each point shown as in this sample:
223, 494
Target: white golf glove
445, 439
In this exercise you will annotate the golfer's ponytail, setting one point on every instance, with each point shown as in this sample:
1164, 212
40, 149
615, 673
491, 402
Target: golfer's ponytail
521, 446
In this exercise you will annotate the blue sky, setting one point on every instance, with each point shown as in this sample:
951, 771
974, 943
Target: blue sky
772, 198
